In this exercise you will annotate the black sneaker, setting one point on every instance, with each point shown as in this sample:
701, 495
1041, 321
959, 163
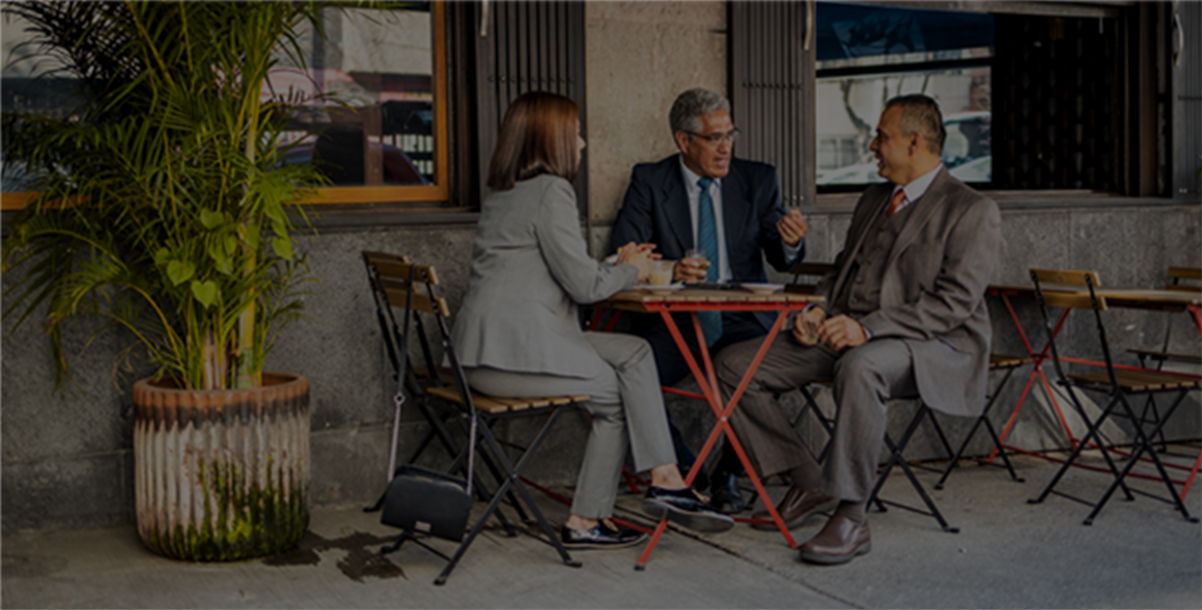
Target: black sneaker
604, 535
685, 508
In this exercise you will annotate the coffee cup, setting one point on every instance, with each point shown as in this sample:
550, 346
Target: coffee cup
661, 273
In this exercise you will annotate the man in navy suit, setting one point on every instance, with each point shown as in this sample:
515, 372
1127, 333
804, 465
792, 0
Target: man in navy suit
706, 199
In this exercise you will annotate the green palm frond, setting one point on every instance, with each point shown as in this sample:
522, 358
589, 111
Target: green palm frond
161, 203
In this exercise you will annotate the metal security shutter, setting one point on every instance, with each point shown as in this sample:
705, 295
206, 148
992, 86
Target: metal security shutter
772, 55
529, 46
1185, 54
1055, 114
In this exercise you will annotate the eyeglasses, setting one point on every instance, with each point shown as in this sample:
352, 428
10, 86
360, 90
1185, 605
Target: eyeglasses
714, 138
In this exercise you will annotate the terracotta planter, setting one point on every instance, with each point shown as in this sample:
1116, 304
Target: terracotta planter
222, 474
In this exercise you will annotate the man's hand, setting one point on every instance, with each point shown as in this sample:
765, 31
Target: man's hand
690, 270
792, 227
841, 331
806, 325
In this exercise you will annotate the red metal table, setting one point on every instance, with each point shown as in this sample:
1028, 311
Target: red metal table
692, 301
1130, 298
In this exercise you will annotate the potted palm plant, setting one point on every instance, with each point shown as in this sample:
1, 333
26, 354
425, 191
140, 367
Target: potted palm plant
158, 203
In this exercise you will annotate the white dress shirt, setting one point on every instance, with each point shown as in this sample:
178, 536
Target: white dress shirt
916, 189
694, 192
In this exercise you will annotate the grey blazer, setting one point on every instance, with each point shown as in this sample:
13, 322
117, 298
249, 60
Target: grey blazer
530, 268
933, 288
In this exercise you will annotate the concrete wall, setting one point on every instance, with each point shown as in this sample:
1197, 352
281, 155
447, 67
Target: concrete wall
66, 457
641, 55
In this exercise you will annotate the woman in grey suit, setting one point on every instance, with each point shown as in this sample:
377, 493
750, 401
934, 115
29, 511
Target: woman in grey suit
517, 333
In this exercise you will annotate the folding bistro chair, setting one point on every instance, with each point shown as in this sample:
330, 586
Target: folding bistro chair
1162, 356
997, 362
412, 288
1117, 384
416, 379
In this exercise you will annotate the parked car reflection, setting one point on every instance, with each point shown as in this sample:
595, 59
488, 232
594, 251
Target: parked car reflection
966, 154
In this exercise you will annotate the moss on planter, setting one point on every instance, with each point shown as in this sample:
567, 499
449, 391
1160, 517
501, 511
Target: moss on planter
250, 521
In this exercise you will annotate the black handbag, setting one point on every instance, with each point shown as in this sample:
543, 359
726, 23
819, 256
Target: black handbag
420, 500
423, 501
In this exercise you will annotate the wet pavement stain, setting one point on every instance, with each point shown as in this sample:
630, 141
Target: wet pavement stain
363, 558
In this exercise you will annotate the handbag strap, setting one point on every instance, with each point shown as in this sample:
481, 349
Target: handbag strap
402, 362
399, 396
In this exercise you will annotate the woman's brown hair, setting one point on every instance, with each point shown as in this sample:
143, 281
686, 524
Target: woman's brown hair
538, 136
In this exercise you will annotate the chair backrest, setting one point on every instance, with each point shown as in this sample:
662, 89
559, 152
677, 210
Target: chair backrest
390, 279
1176, 274
1072, 278
812, 271
1061, 288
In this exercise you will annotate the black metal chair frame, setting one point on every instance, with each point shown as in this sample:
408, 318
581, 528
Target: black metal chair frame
465, 410
394, 338
896, 455
1009, 367
1117, 397
897, 458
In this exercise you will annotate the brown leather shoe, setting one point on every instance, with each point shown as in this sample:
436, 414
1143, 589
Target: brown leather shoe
797, 504
840, 541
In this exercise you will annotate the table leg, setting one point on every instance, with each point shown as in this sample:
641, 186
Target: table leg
698, 462
1036, 372
709, 387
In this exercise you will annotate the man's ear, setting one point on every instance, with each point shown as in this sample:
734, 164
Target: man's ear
914, 141
682, 139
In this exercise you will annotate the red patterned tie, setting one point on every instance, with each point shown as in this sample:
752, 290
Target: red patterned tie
896, 201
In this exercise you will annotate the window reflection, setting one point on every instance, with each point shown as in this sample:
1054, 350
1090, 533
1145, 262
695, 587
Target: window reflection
369, 98
868, 54
367, 93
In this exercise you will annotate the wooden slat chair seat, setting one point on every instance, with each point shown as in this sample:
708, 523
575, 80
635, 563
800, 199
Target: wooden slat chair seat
412, 289
998, 361
1136, 382
492, 404
1115, 384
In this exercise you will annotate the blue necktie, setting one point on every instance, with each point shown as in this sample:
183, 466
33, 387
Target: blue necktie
707, 241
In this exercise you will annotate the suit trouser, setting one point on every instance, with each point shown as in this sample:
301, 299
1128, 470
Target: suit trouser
627, 409
864, 377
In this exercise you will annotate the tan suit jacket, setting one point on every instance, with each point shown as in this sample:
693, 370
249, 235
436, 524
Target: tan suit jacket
933, 288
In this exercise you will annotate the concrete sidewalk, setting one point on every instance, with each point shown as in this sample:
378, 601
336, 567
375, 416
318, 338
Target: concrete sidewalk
1009, 554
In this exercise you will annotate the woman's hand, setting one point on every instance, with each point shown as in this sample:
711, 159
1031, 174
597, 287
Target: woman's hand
640, 256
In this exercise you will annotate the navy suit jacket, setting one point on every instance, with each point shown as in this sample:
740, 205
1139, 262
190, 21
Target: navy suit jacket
656, 210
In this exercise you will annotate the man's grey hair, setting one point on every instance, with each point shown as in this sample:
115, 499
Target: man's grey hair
921, 114
691, 105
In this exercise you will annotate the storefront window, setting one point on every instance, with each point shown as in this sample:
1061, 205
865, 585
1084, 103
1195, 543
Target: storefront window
868, 54
373, 94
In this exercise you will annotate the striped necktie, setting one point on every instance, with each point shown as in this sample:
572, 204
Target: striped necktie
707, 241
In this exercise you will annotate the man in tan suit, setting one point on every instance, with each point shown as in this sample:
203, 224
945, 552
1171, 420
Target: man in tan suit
905, 315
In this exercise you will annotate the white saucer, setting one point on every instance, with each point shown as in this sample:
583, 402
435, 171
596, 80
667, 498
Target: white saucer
668, 288
759, 288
